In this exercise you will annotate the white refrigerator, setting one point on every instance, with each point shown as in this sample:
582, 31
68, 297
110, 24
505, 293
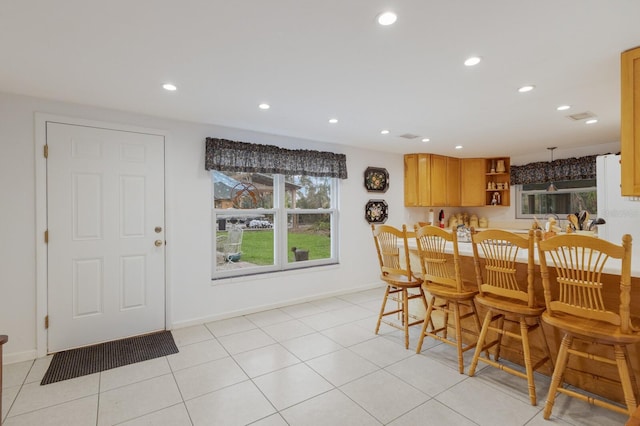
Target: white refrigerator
621, 213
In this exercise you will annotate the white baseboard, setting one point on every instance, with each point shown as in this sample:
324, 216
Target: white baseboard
254, 309
13, 357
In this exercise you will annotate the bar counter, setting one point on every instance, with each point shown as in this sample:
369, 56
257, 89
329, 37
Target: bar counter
593, 377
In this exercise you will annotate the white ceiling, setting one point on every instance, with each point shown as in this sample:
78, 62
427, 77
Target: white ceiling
313, 60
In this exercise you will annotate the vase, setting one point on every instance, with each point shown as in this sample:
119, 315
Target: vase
500, 166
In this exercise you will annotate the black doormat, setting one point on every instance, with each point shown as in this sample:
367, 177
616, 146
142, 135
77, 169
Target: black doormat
104, 356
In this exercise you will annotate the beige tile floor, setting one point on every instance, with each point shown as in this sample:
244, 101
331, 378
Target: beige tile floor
316, 363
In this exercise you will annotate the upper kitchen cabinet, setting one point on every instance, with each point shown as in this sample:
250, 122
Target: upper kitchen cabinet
472, 182
452, 185
412, 179
431, 180
445, 181
440, 181
630, 122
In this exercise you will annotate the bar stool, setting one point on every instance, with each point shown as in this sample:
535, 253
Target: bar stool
396, 273
577, 307
509, 298
443, 280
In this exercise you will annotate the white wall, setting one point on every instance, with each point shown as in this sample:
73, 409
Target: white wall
194, 298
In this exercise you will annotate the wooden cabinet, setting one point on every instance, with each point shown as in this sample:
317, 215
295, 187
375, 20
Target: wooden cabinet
411, 180
438, 187
431, 180
472, 182
453, 182
630, 122
497, 185
417, 180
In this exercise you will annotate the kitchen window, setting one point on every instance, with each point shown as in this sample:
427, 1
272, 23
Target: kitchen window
533, 200
265, 222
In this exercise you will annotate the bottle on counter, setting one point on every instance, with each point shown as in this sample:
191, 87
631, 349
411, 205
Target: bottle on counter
441, 218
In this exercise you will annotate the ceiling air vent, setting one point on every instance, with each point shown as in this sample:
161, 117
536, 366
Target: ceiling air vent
409, 136
581, 116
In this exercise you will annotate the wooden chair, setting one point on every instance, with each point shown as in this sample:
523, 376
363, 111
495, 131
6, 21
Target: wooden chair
443, 280
509, 298
3, 340
576, 306
396, 273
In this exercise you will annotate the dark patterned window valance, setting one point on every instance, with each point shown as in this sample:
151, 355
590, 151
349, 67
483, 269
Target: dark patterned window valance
231, 156
555, 171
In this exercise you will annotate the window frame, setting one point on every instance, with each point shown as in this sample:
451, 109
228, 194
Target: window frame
519, 191
280, 231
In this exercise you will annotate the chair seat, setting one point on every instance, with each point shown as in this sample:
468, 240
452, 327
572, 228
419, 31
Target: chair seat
451, 293
401, 280
512, 306
590, 329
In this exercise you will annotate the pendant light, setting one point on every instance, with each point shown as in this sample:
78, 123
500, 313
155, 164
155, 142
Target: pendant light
551, 187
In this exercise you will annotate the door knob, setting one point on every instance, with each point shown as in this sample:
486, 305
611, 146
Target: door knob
158, 243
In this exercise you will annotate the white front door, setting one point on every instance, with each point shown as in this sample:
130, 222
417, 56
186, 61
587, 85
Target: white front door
105, 213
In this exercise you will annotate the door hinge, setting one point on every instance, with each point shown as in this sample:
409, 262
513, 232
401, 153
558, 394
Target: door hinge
46, 321
46, 151
46, 236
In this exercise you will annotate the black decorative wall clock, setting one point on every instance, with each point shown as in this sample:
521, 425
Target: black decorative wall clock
376, 179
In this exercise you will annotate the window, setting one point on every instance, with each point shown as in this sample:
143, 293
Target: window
271, 222
533, 200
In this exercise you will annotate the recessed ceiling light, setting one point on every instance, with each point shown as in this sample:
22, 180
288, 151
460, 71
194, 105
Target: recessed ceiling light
525, 89
425, 139
333, 120
384, 132
264, 106
563, 107
387, 18
474, 60
170, 87
458, 146
591, 121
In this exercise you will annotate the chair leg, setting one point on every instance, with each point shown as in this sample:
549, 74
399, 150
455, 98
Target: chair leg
384, 304
625, 379
458, 327
634, 383
480, 345
405, 317
476, 318
546, 343
558, 372
447, 307
427, 321
426, 307
501, 323
526, 349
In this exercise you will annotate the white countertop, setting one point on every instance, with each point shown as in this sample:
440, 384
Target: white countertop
612, 266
